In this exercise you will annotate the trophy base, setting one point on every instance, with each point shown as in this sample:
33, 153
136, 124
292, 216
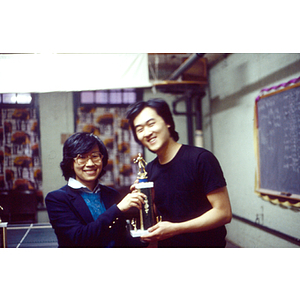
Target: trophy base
138, 233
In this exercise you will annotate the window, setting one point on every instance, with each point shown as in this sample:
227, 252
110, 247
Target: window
115, 97
15, 98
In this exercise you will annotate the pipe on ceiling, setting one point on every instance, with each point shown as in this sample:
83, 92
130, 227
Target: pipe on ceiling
184, 66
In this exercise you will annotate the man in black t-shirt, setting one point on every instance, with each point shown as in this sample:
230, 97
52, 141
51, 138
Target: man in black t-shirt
190, 189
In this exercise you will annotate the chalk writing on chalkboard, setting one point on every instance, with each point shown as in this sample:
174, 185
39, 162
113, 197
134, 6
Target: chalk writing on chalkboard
278, 121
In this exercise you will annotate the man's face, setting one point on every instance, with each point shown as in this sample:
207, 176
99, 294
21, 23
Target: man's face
151, 129
88, 172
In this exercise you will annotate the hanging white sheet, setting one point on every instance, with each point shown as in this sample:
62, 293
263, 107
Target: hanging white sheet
41, 73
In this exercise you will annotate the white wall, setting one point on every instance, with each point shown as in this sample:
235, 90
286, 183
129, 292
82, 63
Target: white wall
56, 117
228, 111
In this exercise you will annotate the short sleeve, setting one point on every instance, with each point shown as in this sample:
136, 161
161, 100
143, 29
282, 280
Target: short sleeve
210, 172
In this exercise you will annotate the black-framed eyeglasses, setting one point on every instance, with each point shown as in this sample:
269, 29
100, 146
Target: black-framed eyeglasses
82, 159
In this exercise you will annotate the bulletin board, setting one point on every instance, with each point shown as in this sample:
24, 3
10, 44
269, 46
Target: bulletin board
277, 143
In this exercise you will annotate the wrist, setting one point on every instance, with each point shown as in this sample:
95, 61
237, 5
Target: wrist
120, 207
178, 228
172, 229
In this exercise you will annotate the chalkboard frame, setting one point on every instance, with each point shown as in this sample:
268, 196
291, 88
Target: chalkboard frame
273, 192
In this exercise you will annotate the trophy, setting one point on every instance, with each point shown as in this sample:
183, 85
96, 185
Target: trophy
3, 233
147, 212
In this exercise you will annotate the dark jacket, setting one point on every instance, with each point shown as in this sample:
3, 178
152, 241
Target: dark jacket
74, 225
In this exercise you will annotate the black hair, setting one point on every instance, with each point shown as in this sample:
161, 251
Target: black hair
80, 143
162, 109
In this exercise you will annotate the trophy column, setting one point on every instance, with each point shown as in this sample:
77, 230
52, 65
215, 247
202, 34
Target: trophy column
147, 211
146, 187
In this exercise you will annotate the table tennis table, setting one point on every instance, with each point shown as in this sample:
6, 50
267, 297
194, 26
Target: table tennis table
40, 235
35, 235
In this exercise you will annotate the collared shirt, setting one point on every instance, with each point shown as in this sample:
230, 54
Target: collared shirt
75, 184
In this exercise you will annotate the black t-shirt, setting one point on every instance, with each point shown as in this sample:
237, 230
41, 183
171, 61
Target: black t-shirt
180, 189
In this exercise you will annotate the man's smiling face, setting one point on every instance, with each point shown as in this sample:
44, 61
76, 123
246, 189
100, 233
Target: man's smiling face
88, 173
151, 129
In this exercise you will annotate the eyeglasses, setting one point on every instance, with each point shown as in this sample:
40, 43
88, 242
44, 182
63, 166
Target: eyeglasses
82, 159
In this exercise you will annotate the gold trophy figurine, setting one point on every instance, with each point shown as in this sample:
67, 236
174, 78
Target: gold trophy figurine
142, 174
145, 187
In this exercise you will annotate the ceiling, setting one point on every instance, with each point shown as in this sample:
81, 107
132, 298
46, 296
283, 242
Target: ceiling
162, 65
181, 73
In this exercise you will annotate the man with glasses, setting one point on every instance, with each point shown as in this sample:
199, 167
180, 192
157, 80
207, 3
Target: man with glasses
85, 213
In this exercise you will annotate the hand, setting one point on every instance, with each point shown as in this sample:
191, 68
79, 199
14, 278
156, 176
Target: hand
132, 187
160, 231
134, 199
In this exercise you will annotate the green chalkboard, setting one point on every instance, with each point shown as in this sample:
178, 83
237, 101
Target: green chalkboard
278, 131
